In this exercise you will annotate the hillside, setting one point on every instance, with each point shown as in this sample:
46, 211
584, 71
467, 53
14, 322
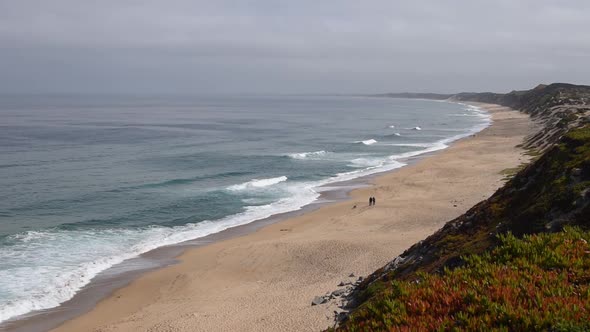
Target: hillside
539, 282
558, 107
550, 193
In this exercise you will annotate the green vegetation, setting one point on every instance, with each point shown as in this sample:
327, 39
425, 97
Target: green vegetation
532, 152
518, 261
555, 184
509, 173
539, 282
487, 269
567, 118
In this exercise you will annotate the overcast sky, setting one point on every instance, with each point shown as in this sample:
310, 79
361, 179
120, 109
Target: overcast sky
297, 46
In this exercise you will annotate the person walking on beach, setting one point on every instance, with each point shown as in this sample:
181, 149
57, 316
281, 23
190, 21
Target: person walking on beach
370, 201
373, 200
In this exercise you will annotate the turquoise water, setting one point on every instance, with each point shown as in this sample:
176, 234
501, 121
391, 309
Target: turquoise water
88, 182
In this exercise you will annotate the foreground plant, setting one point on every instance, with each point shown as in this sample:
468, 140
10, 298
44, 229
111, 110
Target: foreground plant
539, 282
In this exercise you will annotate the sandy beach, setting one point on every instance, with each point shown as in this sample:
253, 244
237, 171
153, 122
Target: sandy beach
266, 280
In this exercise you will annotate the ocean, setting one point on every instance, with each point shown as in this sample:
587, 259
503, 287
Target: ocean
91, 181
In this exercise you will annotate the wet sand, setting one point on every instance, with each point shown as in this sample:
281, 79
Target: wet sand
265, 280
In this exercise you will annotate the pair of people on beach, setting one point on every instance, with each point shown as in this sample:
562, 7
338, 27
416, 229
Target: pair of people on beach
371, 200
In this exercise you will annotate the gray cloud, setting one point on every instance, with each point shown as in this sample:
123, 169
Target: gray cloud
304, 46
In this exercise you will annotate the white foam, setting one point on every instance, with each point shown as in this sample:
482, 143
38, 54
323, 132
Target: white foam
416, 128
306, 155
257, 183
443, 143
417, 145
366, 162
464, 114
256, 201
66, 261
391, 126
475, 111
428, 148
367, 142
397, 134
387, 165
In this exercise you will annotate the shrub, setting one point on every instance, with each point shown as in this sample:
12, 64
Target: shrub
539, 282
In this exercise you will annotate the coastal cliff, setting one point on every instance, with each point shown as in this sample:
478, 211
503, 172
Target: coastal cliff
557, 107
548, 196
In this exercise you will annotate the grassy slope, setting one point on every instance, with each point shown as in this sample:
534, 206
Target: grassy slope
545, 196
540, 282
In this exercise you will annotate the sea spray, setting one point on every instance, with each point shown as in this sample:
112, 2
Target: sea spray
367, 142
306, 155
257, 183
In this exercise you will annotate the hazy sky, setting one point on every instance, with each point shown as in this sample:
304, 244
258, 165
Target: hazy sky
297, 46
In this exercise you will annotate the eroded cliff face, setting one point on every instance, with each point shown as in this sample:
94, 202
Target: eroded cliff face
549, 193
557, 107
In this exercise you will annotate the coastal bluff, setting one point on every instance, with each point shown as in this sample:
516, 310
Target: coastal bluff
540, 203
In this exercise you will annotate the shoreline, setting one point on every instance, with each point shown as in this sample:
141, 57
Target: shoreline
112, 279
336, 185
272, 224
333, 190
